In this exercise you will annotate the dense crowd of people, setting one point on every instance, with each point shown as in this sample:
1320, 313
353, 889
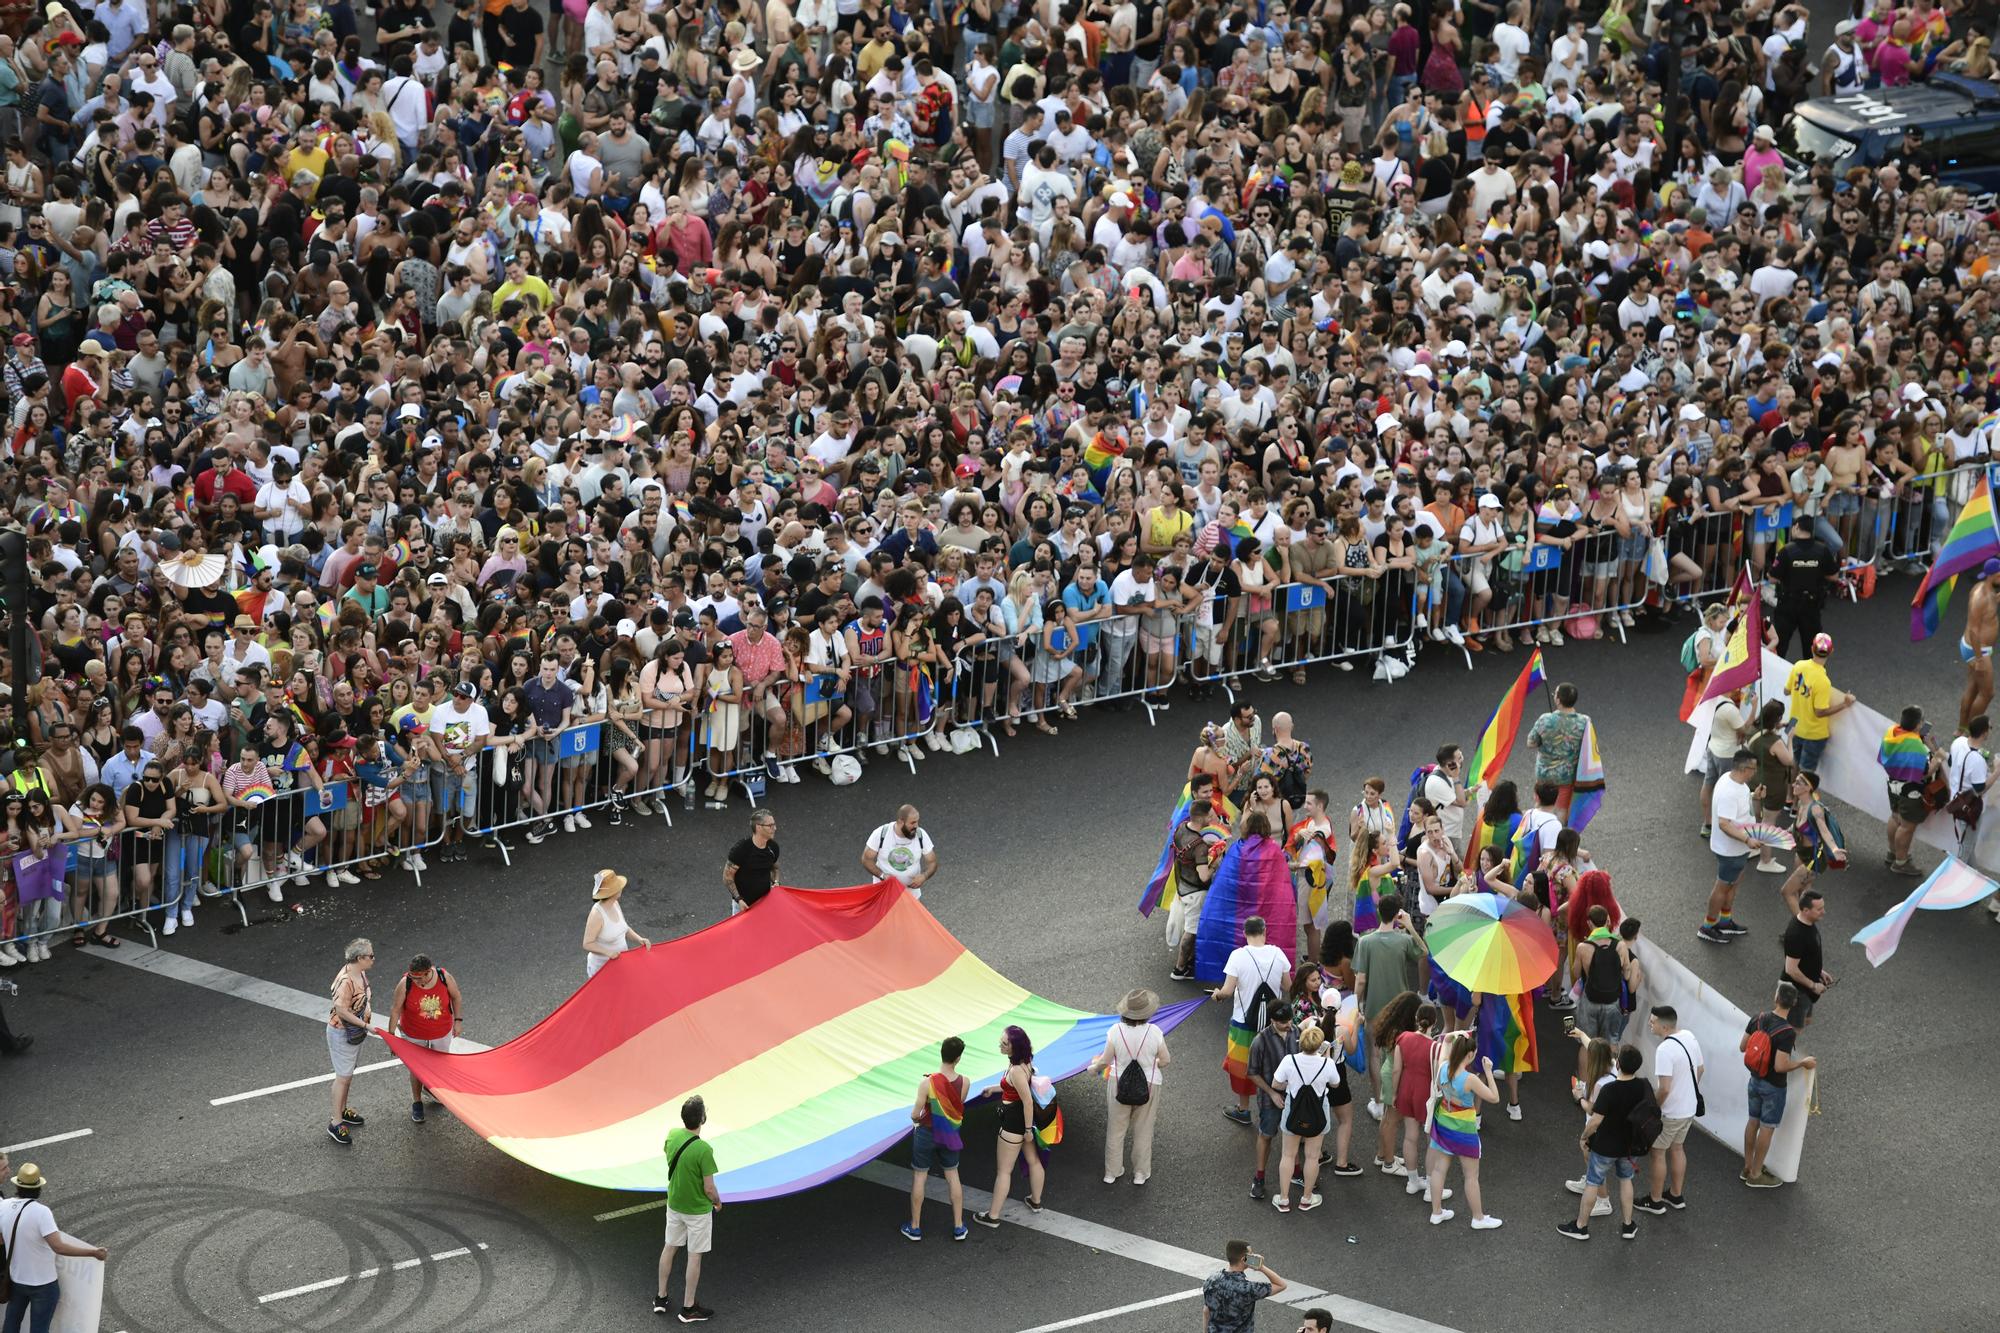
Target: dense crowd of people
426, 429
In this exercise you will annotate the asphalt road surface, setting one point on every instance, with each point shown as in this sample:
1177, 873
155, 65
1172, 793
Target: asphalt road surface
244, 1216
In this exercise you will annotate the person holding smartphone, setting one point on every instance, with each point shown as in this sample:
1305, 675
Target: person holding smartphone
1229, 1298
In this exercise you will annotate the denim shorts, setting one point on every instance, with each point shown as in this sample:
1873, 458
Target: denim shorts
1806, 754
93, 867
1729, 869
1598, 1169
1842, 503
540, 751
1270, 1119
1767, 1101
925, 1153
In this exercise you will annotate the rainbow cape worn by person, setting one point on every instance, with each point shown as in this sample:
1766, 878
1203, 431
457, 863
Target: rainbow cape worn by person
1506, 1033
1973, 540
1312, 850
1253, 879
805, 1023
1366, 893
1904, 756
1099, 456
947, 1106
1161, 889
1587, 793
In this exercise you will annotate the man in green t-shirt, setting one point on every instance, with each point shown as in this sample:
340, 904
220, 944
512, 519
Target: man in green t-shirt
1387, 962
692, 1204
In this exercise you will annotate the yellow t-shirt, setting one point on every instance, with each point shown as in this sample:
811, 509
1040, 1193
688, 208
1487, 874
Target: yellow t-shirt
307, 159
528, 286
1807, 691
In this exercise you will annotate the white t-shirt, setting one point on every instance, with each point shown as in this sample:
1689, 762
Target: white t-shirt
1732, 802
30, 1260
1725, 732
901, 858
1966, 767
1126, 589
1439, 792
461, 724
1669, 1058
1253, 965
1547, 828
1301, 1075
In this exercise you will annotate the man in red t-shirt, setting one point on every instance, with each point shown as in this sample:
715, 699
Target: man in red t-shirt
83, 378
221, 477
426, 1011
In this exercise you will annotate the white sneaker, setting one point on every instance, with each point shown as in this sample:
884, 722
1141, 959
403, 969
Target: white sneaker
879, 748
333, 880
293, 863
187, 919
1487, 1223
1437, 635
1602, 1208
1439, 1219
173, 924
582, 820
1375, 1109
1395, 1168
1455, 636
823, 767
641, 806
1415, 1185
8, 957
276, 892
1576, 1186
908, 751
788, 773
569, 823
415, 862
1427, 1191
1555, 639
1513, 1110
935, 741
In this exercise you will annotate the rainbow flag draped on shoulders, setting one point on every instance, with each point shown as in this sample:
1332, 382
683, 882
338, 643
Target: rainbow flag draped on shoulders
1973, 540
1253, 879
1099, 456
1162, 887
804, 1080
947, 1106
1904, 756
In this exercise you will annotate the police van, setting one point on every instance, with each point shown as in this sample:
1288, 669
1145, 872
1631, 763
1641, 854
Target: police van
1960, 118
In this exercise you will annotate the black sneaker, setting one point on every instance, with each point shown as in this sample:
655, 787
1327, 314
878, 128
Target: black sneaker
1573, 1231
1676, 1202
1713, 935
617, 816
417, 1111
1657, 1207
1732, 928
338, 1133
1630, 1231
352, 1117
696, 1314
1257, 1188
1346, 1169
1181, 974
661, 1305
986, 1221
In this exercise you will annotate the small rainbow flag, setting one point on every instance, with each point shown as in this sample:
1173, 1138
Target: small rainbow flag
1973, 540
1744, 650
1497, 742
1904, 756
804, 1081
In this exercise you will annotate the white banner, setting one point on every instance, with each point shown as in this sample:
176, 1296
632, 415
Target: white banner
1718, 1026
82, 1303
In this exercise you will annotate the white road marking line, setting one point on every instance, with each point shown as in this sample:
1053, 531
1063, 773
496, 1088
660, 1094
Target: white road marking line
53, 1138
366, 1273
1134, 1307
628, 1212
300, 1083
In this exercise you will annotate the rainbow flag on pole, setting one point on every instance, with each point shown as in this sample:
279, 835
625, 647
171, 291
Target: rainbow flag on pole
1952, 885
1498, 740
1973, 540
1742, 655
806, 1024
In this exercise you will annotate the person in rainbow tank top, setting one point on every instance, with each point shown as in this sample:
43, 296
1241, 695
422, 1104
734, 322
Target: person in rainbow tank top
939, 1117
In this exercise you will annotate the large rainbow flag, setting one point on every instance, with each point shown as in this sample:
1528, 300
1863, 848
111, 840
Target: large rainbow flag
1973, 540
806, 1024
1253, 879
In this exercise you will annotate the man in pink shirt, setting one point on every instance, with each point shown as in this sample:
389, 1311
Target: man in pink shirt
688, 235
762, 661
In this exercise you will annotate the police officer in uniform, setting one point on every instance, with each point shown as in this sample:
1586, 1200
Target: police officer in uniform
1803, 571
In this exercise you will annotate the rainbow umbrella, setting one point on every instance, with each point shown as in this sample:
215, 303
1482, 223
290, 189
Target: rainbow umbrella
1488, 943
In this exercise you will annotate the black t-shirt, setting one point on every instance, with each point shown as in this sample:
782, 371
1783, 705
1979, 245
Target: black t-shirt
1784, 1037
512, 33
755, 868
1190, 855
1613, 1138
1802, 943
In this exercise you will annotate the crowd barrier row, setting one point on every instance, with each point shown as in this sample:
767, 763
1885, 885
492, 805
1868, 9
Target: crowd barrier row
843, 709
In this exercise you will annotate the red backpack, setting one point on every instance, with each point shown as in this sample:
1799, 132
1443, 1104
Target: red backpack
1760, 1055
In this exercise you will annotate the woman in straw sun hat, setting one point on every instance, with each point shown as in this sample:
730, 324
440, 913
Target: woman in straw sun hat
1134, 1038
605, 934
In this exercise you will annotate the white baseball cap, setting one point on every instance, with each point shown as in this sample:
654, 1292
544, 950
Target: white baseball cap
1689, 412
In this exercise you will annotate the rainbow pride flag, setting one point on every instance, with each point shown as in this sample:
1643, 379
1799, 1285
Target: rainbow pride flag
1161, 888
1742, 653
1366, 916
1098, 458
1952, 885
1253, 879
1497, 742
1973, 540
805, 1079
1587, 793
947, 1113
1506, 1033
1904, 756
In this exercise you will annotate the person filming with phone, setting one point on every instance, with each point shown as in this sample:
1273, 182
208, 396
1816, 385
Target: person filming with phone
1229, 1298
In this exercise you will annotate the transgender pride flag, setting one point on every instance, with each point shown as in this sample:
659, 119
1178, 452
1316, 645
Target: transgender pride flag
1953, 884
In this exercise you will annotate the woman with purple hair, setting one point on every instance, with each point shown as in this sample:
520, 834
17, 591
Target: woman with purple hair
1017, 1099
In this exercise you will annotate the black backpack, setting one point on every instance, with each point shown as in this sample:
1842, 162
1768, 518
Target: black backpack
1643, 1123
1306, 1116
1134, 1088
1261, 1000
1603, 979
